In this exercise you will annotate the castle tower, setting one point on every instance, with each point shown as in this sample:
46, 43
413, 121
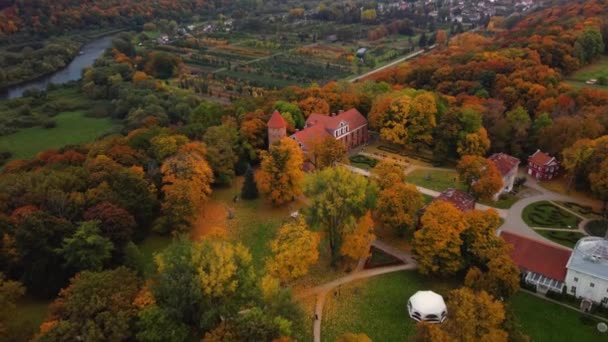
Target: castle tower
277, 128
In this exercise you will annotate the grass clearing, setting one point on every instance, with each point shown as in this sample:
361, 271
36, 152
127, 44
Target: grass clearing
151, 245
72, 128
594, 70
438, 180
545, 321
26, 320
546, 215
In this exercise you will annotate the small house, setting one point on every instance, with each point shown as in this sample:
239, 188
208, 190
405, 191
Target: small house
542, 166
507, 166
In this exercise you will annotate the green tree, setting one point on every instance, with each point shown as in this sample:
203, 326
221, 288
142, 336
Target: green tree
338, 198
250, 189
86, 249
285, 107
222, 142
154, 325
589, 45
95, 306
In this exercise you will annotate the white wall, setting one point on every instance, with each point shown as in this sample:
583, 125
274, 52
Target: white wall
597, 293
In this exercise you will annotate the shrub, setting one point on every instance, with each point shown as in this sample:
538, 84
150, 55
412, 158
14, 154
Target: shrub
49, 123
555, 295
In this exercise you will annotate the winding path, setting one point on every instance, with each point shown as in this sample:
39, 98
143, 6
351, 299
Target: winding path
322, 290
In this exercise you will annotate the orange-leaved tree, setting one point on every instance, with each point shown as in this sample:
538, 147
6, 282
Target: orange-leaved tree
387, 174
398, 207
280, 175
327, 152
356, 244
480, 175
437, 244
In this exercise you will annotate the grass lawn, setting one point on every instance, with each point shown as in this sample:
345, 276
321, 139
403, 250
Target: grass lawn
437, 180
505, 201
582, 210
72, 128
547, 215
544, 321
594, 70
560, 185
376, 307
564, 238
154, 243
362, 162
26, 320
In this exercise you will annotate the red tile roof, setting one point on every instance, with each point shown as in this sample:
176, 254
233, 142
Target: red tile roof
460, 199
352, 116
540, 158
537, 256
504, 162
310, 135
277, 121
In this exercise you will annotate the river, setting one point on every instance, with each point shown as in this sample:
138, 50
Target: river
72, 72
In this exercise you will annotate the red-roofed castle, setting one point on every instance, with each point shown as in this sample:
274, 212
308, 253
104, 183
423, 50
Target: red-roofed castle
277, 128
349, 127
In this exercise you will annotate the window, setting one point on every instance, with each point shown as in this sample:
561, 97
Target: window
591, 284
605, 300
573, 289
575, 279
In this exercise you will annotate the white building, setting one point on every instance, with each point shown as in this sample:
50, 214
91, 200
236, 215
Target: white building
427, 306
507, 166
587, 270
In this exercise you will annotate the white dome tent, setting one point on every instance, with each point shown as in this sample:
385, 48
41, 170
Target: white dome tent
427, 306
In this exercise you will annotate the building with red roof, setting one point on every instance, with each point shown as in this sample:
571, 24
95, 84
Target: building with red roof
541, 264
507, 166
277, 128
459, 199
349, 127
542, 166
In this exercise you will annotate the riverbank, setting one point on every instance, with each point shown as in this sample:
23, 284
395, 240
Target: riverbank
57, 60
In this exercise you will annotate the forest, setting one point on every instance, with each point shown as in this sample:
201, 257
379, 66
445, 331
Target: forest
72, 217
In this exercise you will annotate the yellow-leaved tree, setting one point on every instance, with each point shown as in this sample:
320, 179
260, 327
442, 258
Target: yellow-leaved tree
476, 143
437, 244
327, 152
280, 175
351, 337
387, 174
356, 244
294, 250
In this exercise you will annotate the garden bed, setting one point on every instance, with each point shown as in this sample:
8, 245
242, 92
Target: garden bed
363, 162
379, 258
564, 238
546, 215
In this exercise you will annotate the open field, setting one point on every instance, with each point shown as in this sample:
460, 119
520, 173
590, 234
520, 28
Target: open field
377, 307
71, 128
593, 71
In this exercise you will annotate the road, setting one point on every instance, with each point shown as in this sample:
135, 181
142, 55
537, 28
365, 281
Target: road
393, 63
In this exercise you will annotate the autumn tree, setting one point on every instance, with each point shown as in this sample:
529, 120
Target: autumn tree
86, 249
479, 238
327, 152
599, 183
481, 176
10, 291
75, 316
250, 189
441, 38
314, 105
294, 250
115, 223
357, 244
437, 244
429, 332
575, 159
187, 180
404, 120
476, 143
474, 316
520, 124
387, 174
338, 198
281, 172
398, 207
500, 280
